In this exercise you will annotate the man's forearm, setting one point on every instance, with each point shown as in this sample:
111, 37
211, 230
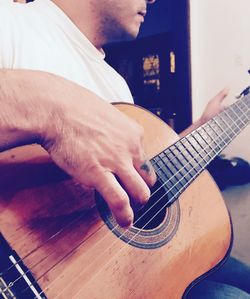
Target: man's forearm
83, 134
23, 111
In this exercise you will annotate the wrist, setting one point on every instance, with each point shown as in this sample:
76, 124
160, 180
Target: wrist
199, 122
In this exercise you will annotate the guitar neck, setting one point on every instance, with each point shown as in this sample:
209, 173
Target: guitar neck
182, 162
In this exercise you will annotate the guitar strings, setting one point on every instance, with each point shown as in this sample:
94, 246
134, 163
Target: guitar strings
60, 231
114, 242
142, 215
146, 223
118, 251
43, 244
29, 270
105, 236
47, 241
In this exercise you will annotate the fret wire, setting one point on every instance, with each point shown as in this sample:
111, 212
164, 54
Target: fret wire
198, 149
170, 201
214, 127
190, 151
226, 119
204, 139
204, 135
160, 173
218, 147
190, 148
161, 165
209, 130
240, 106
244, 118
201, 145
178, 154
170, 174
245, 105
246, 100
165, 183
194, 143
237, 127
221, 125
235, 112
163, 178
171, 157
184, 187
187, 184
188, 165
179, 176
243, 102
230, 138
242, 111
184, 154
224, 141
191, 162
174, 159
171, 166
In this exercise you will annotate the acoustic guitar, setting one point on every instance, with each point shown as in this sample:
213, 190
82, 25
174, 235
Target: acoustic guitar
60, 241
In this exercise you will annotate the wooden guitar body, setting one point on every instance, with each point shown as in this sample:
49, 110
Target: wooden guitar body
56, 228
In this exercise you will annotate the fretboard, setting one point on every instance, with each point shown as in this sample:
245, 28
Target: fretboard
178, 165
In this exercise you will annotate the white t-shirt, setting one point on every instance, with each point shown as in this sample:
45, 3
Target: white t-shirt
39, 36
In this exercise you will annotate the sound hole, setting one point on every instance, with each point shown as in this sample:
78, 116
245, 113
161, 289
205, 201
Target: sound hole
154, 212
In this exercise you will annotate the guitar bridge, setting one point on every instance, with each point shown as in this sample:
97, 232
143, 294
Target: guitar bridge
16, 280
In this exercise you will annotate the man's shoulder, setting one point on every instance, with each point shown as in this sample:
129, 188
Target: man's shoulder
7, 10
18, 14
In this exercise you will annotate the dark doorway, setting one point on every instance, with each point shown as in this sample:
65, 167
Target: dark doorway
156, 66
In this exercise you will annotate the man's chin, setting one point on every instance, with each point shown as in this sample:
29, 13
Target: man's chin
123, 36
129, 35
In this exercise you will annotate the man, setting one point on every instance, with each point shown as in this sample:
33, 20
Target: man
61, 103
60, 95
73, 38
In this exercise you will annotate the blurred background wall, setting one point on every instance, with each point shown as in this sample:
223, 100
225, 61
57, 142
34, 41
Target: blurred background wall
220, 56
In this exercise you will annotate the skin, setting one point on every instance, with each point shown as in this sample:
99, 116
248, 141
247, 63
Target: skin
213, 107
111, 20
65, 118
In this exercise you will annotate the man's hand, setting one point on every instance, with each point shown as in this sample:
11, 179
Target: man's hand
214, 106
96, 144
88, 138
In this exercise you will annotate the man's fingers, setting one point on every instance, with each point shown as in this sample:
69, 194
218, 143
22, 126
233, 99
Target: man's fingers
135, 185
146, 171
116, 198
222, 94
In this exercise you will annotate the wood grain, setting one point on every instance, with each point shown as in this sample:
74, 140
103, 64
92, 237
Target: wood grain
85, 259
